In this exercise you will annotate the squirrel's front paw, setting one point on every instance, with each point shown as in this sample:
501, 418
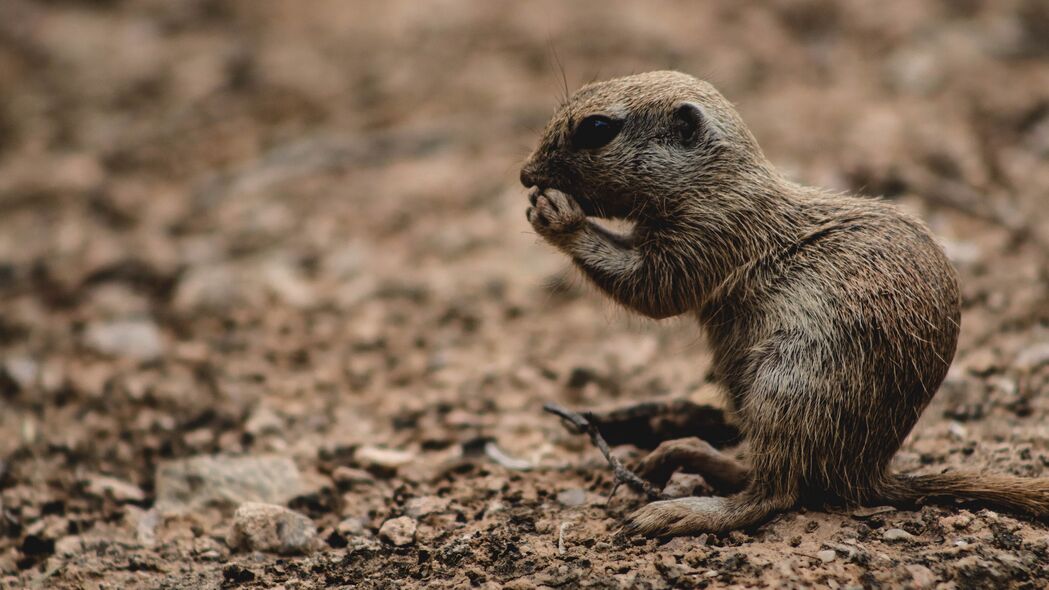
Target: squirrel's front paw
555, 215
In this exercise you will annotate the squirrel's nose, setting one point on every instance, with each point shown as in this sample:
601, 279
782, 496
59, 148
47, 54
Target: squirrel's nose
528, 176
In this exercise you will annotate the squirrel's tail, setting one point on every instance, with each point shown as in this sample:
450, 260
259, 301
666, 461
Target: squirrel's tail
1020, 495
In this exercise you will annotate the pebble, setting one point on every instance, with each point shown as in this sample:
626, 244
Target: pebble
956, 521
224, 481
572, 497
425, 505
22, 370
104, 486
69, 545
263, 421
351, 526
144, 522
921, 576
981, 363
271, 528
827, 555
284, 281
682, 485
1033, 357
378, 457
398, 531
348, 476
210, 287
897, 535
137, 339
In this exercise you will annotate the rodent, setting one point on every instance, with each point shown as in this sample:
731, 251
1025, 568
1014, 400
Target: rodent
833, 318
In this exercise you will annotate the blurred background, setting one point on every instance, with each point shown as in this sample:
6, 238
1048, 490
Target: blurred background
294, 229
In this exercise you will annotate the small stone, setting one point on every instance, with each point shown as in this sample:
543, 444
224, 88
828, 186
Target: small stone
897, 536
263, 421
572, 497
137, 339
8, 562
144, 522
956, 521
209, 287
425, 505
271, 528
380, 458
351, 527
499, 456
1033, 357
682, 485
23, 371
104, 486
69, 545
284, 281
223, 481
981, 362
398, 531
346, 477
827, 555
921, 576
957, 431
915, 71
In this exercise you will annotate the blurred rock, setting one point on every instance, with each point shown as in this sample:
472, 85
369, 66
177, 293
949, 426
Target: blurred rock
425, 505
351, 526
345, 262
827, 555
958, 521
915, 71
210, 287
383, 459
285, 282
1032, 357
197, 482
981, 362
346, 477
493, 452
271, 528
137, 339
144, 522
921, 576
682, 485
104, 486
263, 421
398, 531
69, 545
222, 286
22, 371
897, 536
572, 497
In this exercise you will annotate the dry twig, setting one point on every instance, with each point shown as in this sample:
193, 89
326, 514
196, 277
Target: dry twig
582, 423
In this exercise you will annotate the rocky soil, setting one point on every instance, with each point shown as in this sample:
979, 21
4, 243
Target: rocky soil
271, 314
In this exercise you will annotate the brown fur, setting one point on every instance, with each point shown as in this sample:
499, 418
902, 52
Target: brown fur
833, 319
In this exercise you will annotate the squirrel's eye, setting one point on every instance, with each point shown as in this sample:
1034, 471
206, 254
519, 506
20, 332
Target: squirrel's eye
595, 131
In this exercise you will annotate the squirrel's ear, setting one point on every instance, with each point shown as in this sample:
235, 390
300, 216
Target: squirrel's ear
690, 122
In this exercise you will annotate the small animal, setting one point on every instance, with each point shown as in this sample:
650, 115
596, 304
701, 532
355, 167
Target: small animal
833, 318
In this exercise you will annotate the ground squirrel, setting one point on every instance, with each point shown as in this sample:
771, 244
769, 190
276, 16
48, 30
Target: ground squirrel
832, 318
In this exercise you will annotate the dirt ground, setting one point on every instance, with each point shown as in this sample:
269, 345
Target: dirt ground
277, 251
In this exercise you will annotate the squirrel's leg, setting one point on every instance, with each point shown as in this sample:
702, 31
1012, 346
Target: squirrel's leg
694, 455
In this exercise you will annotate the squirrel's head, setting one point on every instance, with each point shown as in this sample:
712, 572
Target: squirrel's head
625, 146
